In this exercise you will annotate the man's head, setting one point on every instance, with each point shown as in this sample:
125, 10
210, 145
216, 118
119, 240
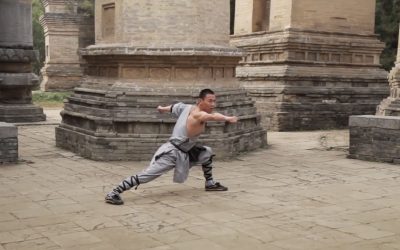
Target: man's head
207, 100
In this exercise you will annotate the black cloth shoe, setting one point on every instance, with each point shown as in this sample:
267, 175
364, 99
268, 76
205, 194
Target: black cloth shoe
114, 199
216, 187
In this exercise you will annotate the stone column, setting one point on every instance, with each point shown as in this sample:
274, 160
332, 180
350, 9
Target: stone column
149, 53
66, 31
16, 57
314, 64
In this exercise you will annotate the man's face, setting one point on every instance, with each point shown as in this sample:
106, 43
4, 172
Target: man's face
208, 103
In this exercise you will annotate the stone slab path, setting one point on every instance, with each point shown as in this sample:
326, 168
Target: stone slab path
299, 193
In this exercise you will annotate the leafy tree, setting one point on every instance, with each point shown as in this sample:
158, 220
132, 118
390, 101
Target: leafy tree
83, 7
38, 35
86, 7
387, 26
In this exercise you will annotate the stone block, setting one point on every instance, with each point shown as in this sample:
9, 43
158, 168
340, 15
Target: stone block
8, 130
372, 121
8, 143
375, 138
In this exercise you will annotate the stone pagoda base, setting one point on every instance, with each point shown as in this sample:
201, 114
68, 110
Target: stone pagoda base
21, 113
113, 115
304, 80
375, 138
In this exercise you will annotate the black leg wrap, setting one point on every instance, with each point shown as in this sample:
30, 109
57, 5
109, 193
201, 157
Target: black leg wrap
128, 184
137, 181
207, 169
209, 162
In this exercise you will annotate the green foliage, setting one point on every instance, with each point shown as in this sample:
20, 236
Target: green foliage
387, 26
83, 7
49, 99
38, 35
86, 7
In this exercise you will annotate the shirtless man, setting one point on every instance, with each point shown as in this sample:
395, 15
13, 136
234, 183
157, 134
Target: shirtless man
181, 152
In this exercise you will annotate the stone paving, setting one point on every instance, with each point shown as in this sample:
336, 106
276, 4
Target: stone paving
299, 193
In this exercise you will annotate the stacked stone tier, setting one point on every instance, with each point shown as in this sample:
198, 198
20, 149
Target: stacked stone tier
308, 47
119, 123
305, 80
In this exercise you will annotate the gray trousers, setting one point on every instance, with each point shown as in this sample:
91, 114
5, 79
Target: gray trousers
164, 163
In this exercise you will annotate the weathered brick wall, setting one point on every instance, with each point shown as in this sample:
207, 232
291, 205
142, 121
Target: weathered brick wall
8, 143
281, 13
64, 48
151, 24
334, 16
375, 138
243, 16
318, 15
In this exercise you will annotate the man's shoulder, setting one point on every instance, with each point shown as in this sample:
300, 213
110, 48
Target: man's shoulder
199, 114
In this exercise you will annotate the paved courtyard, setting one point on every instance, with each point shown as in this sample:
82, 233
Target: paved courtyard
299, 193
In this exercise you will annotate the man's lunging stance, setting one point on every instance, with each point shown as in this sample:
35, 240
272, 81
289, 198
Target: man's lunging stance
181, 152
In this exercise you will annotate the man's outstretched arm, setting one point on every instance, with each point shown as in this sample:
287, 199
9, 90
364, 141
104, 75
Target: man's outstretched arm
205, 117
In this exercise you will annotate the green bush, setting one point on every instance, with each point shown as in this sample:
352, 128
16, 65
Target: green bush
49, 99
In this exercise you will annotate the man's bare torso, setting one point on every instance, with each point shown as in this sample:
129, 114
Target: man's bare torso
194, 126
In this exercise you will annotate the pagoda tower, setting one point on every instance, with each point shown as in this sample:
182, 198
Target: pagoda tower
150, 53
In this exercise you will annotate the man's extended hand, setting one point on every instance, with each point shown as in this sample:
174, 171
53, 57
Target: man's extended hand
164, 109
231, 119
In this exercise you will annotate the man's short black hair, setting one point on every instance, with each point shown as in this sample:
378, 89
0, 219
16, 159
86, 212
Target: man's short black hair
205, 92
